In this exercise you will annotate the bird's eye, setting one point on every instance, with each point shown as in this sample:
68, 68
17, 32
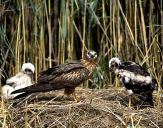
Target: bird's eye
95, 54
88, 53
116, 65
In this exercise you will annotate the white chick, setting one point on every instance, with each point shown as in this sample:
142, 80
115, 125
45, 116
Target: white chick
20, 80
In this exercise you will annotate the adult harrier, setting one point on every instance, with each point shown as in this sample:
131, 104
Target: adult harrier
65, 76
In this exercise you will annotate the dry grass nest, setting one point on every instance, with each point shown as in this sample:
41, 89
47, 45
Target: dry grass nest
96, 109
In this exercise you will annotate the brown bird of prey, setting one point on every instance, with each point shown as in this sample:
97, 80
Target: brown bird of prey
65, 76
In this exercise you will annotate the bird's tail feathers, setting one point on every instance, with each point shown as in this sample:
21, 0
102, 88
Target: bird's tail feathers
22, 95
35, 88
147, 98
22, 100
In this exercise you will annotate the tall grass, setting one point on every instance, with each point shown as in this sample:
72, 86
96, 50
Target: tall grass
47, 33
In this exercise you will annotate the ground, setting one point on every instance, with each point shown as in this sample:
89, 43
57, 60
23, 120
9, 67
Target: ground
96, 109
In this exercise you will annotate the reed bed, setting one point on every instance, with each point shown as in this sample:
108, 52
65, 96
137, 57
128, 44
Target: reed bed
47, 33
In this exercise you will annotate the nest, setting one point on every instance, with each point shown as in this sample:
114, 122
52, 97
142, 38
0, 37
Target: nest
96, 109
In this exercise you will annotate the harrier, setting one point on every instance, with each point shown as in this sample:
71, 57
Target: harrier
65, 76
20, 80
135, 78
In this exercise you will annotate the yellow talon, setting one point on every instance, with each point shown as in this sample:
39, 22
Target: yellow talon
76, 99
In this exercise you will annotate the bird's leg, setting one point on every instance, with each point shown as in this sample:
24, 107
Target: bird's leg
76, 99
130, 93
71, 91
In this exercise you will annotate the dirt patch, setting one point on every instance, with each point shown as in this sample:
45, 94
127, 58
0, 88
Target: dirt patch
97, 108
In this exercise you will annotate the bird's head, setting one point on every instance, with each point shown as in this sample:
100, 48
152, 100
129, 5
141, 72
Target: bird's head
91, 56
114, 63
28, 68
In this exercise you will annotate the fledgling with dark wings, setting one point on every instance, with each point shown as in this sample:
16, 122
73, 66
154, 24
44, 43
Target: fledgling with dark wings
135, 78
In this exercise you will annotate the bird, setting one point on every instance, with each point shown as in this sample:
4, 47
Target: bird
20, 80
65, 76
135, 78
6, 92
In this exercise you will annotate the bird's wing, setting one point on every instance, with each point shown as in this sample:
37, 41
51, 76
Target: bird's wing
69, 78
12, 80
132, 73
134, 67
15, 79
53, 72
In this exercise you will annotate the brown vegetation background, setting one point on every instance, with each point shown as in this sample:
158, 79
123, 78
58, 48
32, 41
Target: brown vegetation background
50, 32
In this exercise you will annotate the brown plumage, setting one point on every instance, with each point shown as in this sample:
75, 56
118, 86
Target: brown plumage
65, 76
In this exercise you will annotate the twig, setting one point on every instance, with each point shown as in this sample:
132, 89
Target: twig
117, 116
